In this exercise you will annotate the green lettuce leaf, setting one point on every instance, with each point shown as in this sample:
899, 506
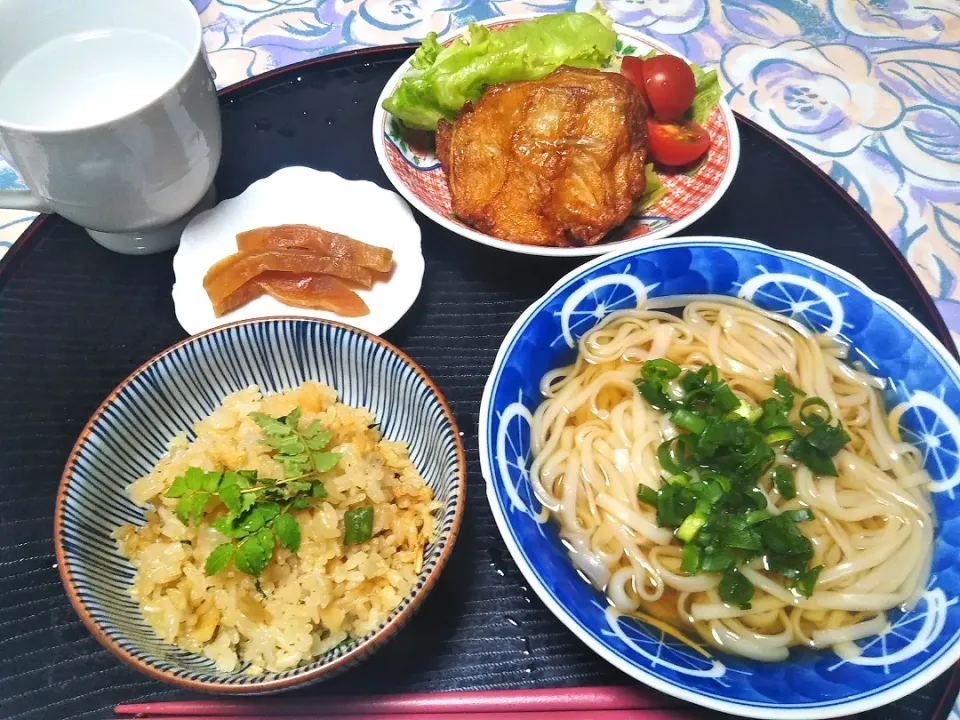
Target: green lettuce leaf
653, 192
442, 79
707, 96
426, 54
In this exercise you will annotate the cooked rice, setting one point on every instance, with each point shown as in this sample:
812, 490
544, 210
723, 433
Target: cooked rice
311, 601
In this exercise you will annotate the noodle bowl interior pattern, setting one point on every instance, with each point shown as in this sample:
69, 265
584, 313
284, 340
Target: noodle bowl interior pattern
922, 380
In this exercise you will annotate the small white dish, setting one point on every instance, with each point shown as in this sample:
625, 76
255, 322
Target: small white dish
300, 195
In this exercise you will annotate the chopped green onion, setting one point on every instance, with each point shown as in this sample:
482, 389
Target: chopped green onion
779, 436
782, 537
724, 398
647, 494
806, 582
828, 439
660, 367
722, 480
691, 382
742, 537
757, 516
814, 417
698, 399
653, 395
715, 488
654, 376
756, 496
711, 495
782, 476
674, 455
688, 421
358, 524
747, 410
818, 461
703, 506
736, 589
665, 456
774, 415
786, 390
717, 561
674, 503
691, 559
790, 566
691, 526
802, 515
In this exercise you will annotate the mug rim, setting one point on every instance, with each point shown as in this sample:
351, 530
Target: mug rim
366, 647
195, 50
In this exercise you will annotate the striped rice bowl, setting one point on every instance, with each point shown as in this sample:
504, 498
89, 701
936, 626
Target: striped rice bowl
306, 603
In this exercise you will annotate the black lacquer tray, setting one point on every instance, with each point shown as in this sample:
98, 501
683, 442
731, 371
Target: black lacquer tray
75, 319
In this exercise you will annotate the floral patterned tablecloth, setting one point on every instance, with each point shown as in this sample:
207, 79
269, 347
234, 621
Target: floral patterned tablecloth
867, 89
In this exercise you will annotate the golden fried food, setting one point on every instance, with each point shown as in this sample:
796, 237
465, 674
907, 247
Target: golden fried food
558, 161
318, 240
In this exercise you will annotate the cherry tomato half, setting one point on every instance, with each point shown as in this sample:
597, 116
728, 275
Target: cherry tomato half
670, 86
632, 69
677, 143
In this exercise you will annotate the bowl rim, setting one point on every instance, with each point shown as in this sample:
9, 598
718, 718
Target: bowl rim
770, 712
254, 687
379, 144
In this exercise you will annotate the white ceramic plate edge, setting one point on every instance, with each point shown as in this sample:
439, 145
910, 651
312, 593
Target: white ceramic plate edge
733, 160
849, 708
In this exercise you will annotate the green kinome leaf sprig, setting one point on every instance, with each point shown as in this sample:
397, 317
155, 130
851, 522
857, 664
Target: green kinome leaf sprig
258, 509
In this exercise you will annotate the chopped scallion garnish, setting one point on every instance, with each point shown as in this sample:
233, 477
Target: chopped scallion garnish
816, 416
757, 516
747, 410
736, 589
779, 436
647, 494
782, 476
711, 495
691, 559
689, 421
691, 526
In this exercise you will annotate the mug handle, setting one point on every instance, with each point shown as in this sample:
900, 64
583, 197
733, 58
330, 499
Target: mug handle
22, 200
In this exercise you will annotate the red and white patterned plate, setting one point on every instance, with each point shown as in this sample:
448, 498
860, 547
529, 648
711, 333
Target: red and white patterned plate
417, 175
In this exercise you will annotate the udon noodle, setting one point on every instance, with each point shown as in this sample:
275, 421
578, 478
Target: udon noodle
595, 438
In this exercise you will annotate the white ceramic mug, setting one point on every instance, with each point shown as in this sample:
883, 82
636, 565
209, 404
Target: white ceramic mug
109, 113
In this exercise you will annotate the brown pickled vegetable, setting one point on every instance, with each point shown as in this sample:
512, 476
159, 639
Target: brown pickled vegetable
317, 292
318, 240
248, 292
303, 290
231, 273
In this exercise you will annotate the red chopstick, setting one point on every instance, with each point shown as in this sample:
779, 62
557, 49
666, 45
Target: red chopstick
509, 715
553, 701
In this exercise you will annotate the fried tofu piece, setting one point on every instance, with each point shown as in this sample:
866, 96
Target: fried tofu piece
552, 162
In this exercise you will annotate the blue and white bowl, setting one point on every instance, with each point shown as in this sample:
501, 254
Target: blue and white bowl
131, 430
920, 644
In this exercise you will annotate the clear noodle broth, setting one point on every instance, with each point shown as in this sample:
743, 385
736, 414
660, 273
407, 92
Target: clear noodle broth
595, 440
